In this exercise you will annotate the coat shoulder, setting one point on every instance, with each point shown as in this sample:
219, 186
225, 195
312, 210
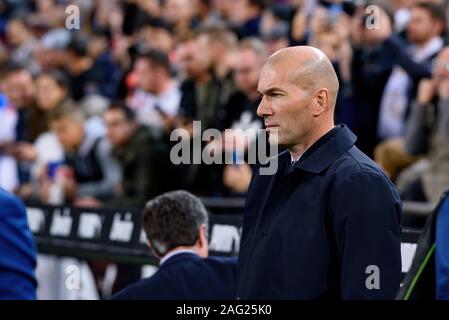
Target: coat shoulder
355, 164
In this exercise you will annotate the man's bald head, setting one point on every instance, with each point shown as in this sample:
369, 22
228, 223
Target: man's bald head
308, 68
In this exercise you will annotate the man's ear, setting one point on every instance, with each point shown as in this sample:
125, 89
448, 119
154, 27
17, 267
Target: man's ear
202, 235
321, 101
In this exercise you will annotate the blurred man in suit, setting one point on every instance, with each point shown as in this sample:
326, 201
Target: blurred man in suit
17, 251
176, 225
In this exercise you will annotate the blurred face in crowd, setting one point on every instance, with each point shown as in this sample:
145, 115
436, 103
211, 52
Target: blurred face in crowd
147, 75
49, 58
97, 45
158, 38
274, 45
247, 70
422, 27
194, 57
70, 132
176, 11
19, 88
49, 94
15, 32
242, 11
119, 129
329, 43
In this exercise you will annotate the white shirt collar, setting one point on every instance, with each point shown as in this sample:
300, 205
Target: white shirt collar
174, 253
293, 159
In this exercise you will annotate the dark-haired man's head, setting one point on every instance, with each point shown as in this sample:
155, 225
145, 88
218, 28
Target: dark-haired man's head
427, 20
176, 220
98, 42
77, 54
153, 71
120, 124
18, 85
156, 33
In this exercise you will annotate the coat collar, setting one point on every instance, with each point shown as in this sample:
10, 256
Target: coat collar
178, 258
326, 150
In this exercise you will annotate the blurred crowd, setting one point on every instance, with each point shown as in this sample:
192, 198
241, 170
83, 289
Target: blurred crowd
86, 114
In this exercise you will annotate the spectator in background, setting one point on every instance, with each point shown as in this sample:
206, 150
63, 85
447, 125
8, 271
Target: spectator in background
412, 63
179, 13
142, 156
427, 23
84, 78
156, 100
19, 88
93, 173
222, 44
201, 94
52, 92
176, 226
22, 42
371, 67
50, 51
200, 101
205, 13
428, 133
17, 251
98, 50
246, 17
277, 38
330, 30
156, 33
241, 109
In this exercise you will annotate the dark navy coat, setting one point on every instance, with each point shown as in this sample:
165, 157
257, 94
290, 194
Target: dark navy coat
17, 251
320, 228
186, 276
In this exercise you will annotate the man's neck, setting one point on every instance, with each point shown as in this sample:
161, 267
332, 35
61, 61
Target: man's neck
177, 250
297, 150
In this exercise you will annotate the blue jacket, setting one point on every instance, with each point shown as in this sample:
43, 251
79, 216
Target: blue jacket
187, 276
326, 227
17, 251
442, 252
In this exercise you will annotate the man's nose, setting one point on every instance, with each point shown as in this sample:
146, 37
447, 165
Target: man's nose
264, 109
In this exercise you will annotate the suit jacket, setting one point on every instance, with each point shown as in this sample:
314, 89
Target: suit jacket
186, 276
326, 227
17, 251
